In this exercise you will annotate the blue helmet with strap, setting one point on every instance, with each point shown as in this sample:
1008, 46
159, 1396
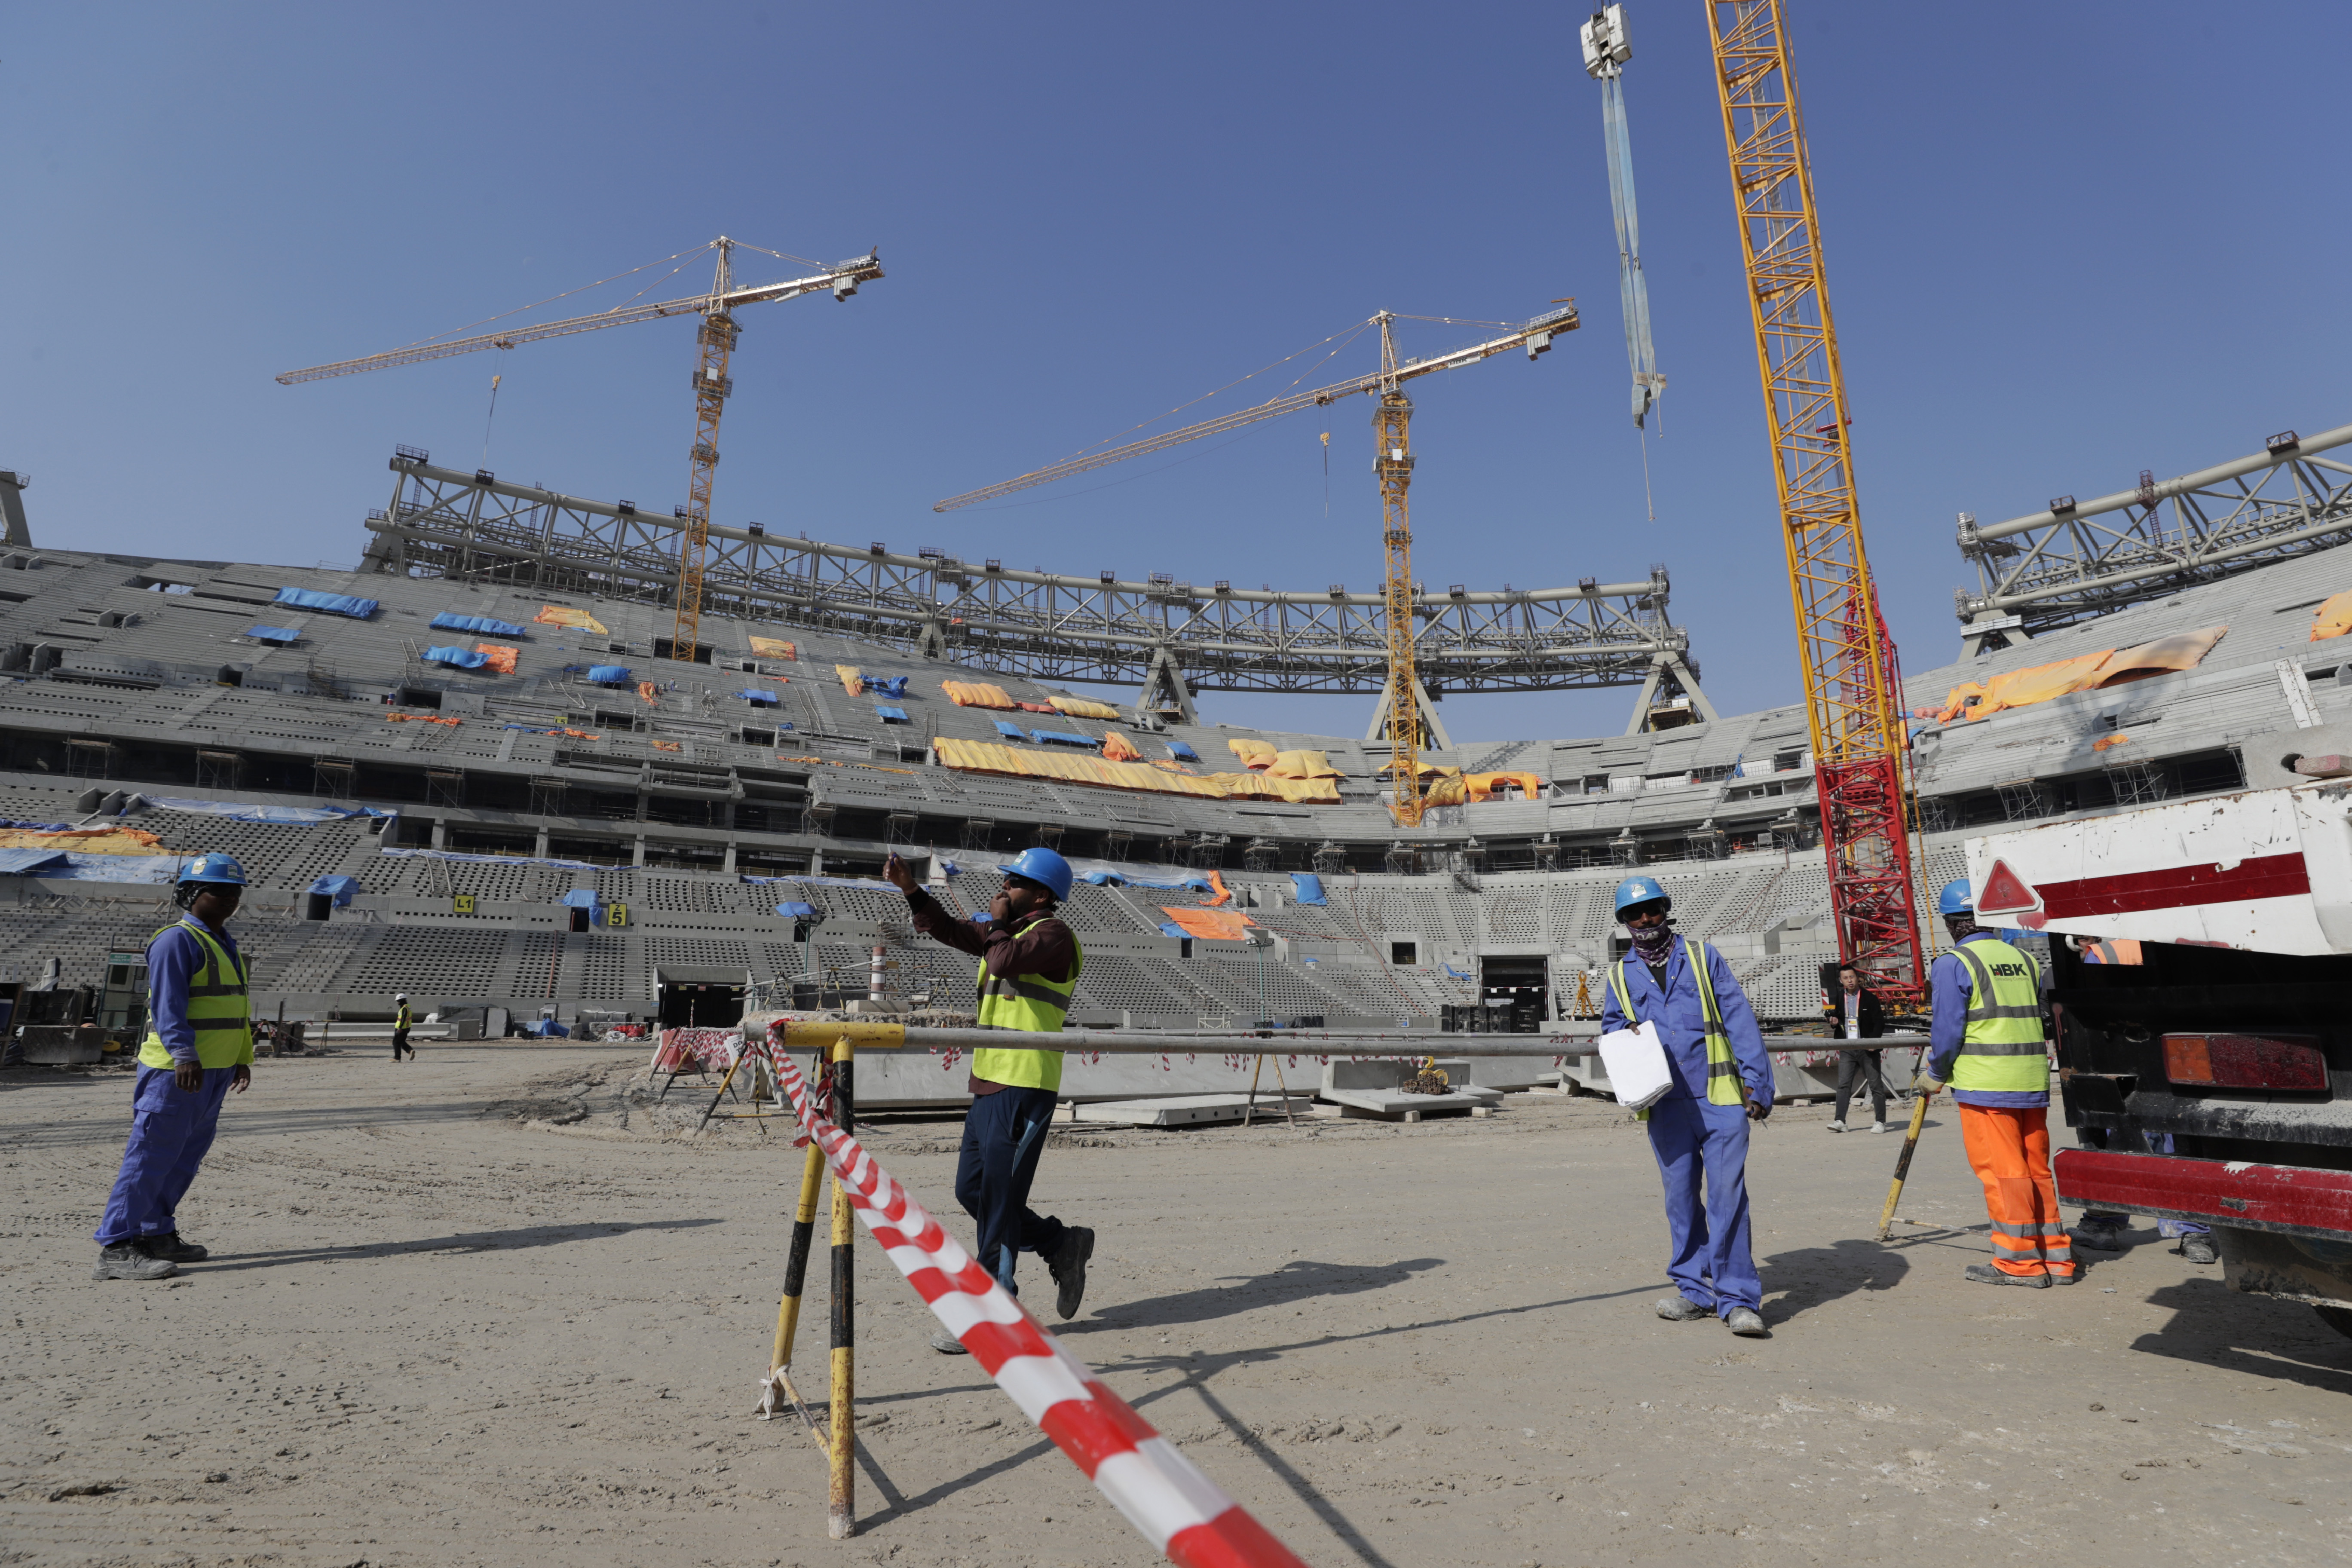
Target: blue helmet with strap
1641, 890
214, 866
1956, 899
1044, 867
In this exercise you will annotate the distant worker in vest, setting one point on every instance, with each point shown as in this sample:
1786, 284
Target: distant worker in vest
1722, 1080
199, 1044
1029, 965
400, 1022
1855, 1014
1986, 1042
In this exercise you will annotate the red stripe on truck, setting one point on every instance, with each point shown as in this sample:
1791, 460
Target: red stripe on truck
2268, 877
2294, 1199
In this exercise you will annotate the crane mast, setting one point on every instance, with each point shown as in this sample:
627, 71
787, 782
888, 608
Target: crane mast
711, 384
1851, 698
1392, 462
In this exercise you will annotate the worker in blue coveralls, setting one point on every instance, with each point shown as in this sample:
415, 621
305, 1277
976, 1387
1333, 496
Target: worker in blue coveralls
1722, 1080
199, 1044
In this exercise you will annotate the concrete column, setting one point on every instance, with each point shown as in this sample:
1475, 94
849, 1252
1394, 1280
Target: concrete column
539, 846
440, 835
728, 865
637, 850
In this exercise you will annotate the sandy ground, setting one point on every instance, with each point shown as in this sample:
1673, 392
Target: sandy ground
440, 1329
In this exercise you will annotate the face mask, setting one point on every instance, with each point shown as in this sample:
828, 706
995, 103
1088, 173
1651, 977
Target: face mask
1651, 941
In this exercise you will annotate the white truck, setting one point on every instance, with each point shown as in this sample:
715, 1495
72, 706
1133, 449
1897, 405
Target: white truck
2211, 1080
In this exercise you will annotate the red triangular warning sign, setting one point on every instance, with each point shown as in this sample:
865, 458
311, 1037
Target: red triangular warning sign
2006, 893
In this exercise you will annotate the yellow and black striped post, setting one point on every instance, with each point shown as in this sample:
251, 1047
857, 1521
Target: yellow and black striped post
841, 1508
788, 1310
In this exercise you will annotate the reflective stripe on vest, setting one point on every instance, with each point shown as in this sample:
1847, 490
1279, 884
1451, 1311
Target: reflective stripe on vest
216, 1008
2003, 1050
1722, 1073
1029, 1002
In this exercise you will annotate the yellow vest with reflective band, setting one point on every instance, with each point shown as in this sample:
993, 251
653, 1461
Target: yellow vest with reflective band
2004, 1050
216, 1008
401, 1020
1722, 1072
1028, 1001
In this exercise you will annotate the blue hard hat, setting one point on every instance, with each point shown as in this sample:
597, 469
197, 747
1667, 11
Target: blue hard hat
212, 866
1042, 866
1640, 890
1956, 899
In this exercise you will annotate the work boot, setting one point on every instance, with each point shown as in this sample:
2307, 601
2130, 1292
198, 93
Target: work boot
1838, 1126
1068, 1268
946, 1344
1745, 1322
2200, 1249
131, 1260
2057, 1279
1986, 1274
2098, 1235
169, 1244
1683, 1310
1880, 1127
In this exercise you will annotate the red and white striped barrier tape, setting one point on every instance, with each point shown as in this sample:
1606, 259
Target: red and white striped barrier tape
1179, 1510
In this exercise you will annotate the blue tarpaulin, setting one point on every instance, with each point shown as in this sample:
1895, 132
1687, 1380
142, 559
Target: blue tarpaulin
39, 826
890, 686
338, 889
1168, 878
1170, 928
282, 636
244, 811
797, 912
753, 694
25, 862
608, 674
1178, 751
1062, 738
581, 899
1310, 888
451, 621
1011, 732
333, 604
889, 715
463, 657
548, 1029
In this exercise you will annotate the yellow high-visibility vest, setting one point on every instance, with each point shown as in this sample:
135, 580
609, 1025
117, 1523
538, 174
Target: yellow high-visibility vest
1029, 1002
216, 1008
2004, 1048
1722, 1072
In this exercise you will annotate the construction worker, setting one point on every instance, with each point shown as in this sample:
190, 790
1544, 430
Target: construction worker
1029, 965
199, 1044
401, 1021
1988, 1043
1722, 1080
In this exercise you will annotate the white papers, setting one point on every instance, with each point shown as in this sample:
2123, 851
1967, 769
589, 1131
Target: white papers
1636, 1064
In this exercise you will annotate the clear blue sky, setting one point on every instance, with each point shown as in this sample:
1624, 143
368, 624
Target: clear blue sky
2065, 242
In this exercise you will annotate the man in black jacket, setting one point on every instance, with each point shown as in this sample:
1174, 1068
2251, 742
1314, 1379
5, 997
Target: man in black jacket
1855, 1013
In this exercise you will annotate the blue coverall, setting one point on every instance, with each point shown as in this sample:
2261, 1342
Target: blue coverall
170, 1128
1698, 1142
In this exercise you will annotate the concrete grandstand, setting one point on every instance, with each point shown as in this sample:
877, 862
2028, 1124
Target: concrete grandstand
312, 723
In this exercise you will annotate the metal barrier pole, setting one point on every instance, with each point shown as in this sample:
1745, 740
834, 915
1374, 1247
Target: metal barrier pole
778, 1389
841, 1501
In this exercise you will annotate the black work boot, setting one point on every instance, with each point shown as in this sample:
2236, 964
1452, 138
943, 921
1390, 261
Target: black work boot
131, 1260
169, 1244
1068, 1268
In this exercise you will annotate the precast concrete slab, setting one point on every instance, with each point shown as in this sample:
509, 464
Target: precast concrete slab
1392, 1103
1185, 1111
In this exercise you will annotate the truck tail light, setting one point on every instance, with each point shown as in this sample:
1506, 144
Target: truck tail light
2245, 1062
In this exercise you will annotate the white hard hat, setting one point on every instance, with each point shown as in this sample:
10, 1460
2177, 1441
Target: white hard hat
400, 996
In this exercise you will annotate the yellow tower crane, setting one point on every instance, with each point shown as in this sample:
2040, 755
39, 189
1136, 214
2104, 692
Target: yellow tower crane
1853, 690
1392, 464
716, 342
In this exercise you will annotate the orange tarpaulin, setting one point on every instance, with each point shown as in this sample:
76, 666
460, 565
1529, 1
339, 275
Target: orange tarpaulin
646, 690
667, 746
1224, 894
772, 649
1116, 749
1035, 707
1447, 791
1423, 769
423, 719
1490, 787
2084, 672
1255, 755
1302, 766
1215, 925
562, 615
501, 657
2104, 741
84, 840
1080, 708
1077, 767
977, 694
852, 680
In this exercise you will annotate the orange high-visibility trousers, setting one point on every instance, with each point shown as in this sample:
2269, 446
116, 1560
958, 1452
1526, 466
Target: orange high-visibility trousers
2009, 1149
